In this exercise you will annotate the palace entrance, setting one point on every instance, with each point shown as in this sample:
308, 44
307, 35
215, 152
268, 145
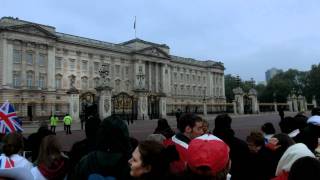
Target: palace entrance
124, 106
153, 106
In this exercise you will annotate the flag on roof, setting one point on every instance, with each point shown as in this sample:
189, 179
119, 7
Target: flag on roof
9, 121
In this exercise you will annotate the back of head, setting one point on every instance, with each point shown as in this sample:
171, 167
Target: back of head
113, 136
91, 126
268, 128
301, 121
49, 151
315, 111
284, 141
305, 168
287, 125
293, 153
256, 138
156, 137
188, 119
222, 121
13, 143
156, 156
162, 124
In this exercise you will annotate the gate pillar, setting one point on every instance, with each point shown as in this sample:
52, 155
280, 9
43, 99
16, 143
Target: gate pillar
289, 102
314, 102
74, 104
163, 107
295, 103
253, 96
105, 104
142, 104
238, 92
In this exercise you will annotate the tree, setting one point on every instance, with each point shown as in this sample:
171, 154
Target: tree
312, 83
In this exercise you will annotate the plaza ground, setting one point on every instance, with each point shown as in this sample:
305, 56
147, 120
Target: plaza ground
140, 129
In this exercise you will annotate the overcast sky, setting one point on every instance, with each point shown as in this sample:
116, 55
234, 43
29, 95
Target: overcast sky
248, 36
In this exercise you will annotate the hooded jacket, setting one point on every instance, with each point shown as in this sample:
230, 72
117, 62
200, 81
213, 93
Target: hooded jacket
292, 154
112, 154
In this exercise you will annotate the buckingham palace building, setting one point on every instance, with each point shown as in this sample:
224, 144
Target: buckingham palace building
39, 66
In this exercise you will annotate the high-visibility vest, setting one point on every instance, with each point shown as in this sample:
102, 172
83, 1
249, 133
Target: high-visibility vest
53, 121
67, 120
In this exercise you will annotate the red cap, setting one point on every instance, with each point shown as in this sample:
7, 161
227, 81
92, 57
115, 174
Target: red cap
208, 150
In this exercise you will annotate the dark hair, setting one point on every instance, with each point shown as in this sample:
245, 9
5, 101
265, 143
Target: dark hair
13, 143
305, 168
222, 121
113, 136
49, 151
157, 156
288, 124
91, 126
285, 141
188, 119
162, 125
164, 128
301, 121
256, 138
268, 128
315, 111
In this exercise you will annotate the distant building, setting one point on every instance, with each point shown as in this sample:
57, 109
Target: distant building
38, 65
270, 73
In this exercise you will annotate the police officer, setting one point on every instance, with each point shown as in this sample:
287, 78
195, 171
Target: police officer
53, 123
67, 120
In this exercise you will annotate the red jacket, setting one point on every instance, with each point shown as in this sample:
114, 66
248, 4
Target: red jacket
179, 166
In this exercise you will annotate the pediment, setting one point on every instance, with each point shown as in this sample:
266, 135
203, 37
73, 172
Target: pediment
32, 29
154, 51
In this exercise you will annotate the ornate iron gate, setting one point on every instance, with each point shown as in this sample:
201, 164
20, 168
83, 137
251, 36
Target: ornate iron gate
153, 106
124, 106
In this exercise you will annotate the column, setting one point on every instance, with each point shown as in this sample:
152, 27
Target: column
204, 108
210, 79
295, 103
51, 67
163, 78
7, 64
222, 84
74, 106
163, 107
234, 106
157, 77
314, 102
150, 76
289, 102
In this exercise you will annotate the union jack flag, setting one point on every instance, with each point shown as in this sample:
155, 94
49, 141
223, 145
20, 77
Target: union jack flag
9, 121
5, 162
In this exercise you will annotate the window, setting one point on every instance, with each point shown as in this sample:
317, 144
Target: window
127, 71
204, 79
29, 58
29, 79
58, 62
42, 81
57, 107
72, 64
58, 81
84, 83
84, 65
16, 79
96, 66
16, 56
96, 82
117, 70
42, 60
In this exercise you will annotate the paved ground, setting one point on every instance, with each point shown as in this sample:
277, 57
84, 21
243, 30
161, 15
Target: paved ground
242, 125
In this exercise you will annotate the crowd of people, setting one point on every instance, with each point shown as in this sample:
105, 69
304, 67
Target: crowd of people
192, 151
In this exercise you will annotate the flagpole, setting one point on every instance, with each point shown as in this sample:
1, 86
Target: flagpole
135, 28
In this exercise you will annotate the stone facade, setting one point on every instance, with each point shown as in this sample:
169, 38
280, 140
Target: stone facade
37, 64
